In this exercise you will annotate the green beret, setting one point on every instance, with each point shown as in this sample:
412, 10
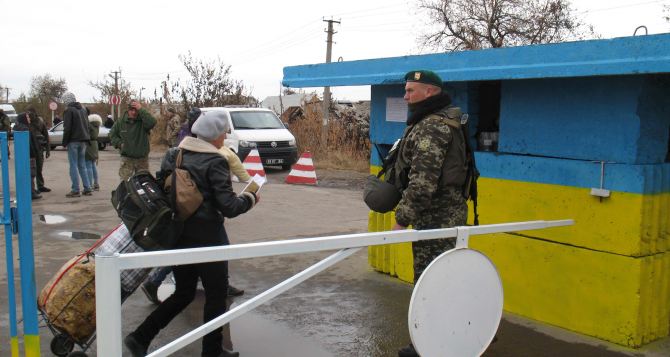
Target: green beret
424, 76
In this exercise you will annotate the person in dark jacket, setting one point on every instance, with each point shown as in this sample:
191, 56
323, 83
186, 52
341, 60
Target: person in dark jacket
23, 124
94, 122
6, 126
39, 128
109, 122
209, 170
130, 135
75, 139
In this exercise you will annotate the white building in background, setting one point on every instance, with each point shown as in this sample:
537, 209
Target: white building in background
279, 105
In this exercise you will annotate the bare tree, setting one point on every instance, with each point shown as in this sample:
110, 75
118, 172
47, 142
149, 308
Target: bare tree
476, 24
44, 88
211, 84
106, 88
666, 11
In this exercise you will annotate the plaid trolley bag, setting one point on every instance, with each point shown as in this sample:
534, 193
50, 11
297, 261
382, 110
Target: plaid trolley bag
67, 302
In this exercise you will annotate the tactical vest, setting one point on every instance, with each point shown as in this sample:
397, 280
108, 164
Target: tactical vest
454, 167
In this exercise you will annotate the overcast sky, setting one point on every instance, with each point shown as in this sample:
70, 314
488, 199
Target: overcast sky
84, 41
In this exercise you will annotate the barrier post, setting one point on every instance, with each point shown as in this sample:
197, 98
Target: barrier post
9, 248
31, 335
108, 305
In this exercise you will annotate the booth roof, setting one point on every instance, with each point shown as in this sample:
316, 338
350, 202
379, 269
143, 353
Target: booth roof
618, 56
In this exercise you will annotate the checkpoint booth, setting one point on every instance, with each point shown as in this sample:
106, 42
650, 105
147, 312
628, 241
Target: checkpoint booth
577, 129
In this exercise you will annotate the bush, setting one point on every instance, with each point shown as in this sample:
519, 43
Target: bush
344, 149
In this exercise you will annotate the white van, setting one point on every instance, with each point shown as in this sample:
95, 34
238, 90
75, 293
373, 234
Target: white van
259, 128
10, 111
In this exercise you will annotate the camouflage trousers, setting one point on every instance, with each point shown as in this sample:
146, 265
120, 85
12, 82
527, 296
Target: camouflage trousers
425, 251
130, 166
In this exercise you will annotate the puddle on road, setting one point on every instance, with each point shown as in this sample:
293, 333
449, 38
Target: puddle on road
79, 235
52, 218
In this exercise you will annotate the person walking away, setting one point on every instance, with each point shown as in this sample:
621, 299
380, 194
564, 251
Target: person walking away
174, 123
130, 135
155, 279
39, 128
23, 124
94, 122
431, 164
6, 126
205, 228
75, 138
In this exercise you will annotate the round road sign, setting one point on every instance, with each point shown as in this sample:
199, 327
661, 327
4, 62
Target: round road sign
115, 100
53, 106
456, 305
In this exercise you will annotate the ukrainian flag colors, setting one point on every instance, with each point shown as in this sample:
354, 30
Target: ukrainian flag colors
606, 276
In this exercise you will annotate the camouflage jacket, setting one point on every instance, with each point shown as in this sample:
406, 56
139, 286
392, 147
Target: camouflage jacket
425, 203
173, 126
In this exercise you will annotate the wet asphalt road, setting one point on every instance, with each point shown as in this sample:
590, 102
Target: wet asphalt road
348, 310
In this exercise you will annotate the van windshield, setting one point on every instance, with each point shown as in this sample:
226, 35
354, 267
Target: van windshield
255, 120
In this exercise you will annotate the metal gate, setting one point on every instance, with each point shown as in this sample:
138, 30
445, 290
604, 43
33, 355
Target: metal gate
108, 268
18, 220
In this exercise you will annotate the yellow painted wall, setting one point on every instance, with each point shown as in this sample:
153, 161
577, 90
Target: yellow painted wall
621, 299
625, 223
607, 276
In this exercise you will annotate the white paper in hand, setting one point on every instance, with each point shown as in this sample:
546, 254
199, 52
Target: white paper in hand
255, 184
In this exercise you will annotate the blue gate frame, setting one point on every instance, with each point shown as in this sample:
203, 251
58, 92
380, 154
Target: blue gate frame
18, 220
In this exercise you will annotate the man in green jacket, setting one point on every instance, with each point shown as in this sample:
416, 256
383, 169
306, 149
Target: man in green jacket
130, 135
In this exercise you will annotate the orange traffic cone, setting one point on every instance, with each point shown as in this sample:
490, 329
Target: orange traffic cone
303, 171
252, 163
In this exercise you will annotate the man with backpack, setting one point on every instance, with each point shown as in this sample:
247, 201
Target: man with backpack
431, 168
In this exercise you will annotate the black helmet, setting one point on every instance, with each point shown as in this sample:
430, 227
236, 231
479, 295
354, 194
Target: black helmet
380, 196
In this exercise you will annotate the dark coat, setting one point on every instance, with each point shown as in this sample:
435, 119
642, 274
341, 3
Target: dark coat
75, 124
210, 172
22, 125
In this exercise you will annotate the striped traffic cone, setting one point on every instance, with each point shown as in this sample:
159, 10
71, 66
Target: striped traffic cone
303, 171
252, 163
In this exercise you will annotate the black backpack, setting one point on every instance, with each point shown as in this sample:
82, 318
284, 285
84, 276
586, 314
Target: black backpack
147, 211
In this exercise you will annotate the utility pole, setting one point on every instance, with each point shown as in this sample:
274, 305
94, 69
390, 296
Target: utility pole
117, 75
7, 97
326, 90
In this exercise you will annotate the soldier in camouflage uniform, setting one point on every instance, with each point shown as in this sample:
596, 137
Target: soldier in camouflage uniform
173, 125
431, 165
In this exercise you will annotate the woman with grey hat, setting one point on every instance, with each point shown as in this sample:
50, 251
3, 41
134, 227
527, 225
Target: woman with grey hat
210, 172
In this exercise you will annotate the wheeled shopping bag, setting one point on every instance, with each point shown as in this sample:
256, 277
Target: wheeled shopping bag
67, 302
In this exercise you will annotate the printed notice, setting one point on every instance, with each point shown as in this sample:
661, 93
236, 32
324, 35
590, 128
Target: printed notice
255, 184
396, 110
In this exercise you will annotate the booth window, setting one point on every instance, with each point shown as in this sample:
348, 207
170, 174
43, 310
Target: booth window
487, 105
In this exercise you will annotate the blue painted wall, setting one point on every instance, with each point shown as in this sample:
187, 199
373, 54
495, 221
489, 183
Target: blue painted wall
618, 118
387, 132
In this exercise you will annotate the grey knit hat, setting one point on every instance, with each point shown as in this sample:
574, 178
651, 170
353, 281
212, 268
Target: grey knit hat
68, 97
210, 125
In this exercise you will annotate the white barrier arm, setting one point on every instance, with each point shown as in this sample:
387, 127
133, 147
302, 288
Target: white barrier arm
304, 245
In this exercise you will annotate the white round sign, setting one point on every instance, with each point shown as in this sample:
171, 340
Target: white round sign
456, 305
53, 106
